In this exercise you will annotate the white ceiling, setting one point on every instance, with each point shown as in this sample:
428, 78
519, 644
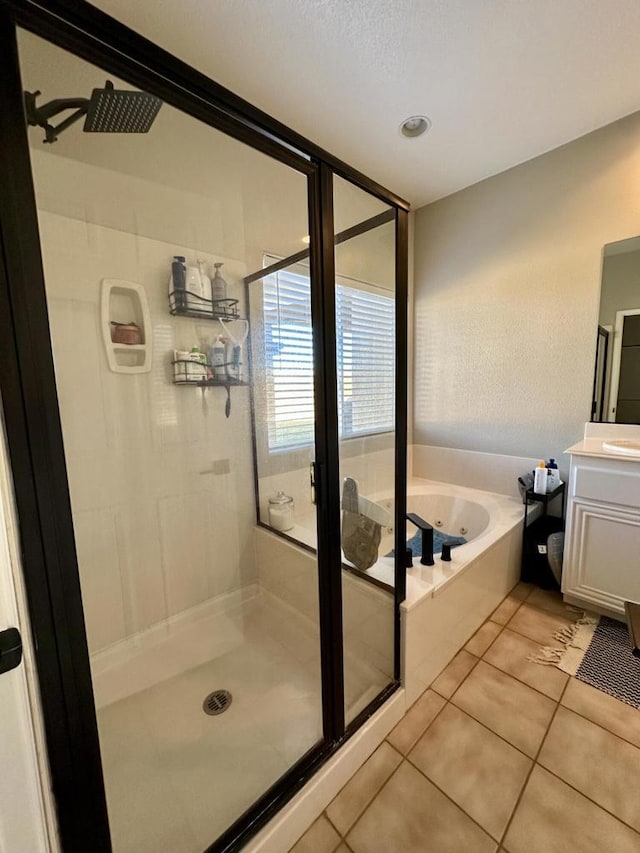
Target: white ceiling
502, 80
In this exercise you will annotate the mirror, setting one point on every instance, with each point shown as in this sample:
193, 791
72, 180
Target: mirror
616, 380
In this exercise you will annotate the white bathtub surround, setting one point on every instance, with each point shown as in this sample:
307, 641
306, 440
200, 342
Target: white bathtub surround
494, 472
447, 602
487, 516
290, 575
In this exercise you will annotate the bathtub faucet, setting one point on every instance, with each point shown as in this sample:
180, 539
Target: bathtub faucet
427, 538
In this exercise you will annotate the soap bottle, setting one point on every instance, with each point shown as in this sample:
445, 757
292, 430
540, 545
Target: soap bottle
217, 358
197, 371
205, 284
194, 288
218, 289
540, 479
553, 474
177, 282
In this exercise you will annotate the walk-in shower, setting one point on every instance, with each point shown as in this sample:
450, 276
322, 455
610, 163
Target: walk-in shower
229, 641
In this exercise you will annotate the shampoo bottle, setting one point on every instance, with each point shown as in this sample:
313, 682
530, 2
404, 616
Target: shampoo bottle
177, 282
218, 286
540, 479
553, 475
217, 358
205, 284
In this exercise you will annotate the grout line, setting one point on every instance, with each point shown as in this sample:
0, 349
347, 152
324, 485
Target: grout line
587, 797
374, 795
326, 811
423, 732
569, 785
524, 683
451, 800
363, 813
448, 698
489, 729
534, 764
599, 725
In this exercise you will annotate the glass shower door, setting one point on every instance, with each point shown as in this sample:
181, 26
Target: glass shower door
365, 308
202, 636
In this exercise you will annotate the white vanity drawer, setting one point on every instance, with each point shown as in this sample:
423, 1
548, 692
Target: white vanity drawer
607, 482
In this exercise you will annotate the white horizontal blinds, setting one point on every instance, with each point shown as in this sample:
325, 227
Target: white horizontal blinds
365, 328
288, 347
365, 321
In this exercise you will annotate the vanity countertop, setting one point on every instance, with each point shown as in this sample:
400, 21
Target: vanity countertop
593, 447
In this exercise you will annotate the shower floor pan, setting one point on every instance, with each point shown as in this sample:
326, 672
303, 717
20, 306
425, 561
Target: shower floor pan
177, 777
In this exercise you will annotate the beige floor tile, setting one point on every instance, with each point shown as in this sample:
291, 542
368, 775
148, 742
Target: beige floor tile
510, 652
508, 707
415, 721
539, 625
410, 815
550, 600
483, 638
610, 713
343, 848
505, 611
600, 765
454, 674
321, 837
473, 766
553, 818
521, 590
356, 795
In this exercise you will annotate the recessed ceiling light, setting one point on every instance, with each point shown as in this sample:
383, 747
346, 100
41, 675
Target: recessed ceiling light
415, 126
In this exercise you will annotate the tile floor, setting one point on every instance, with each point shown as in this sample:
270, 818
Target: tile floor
499, 754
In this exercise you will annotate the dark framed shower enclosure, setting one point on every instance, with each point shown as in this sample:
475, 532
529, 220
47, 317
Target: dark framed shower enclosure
31, 410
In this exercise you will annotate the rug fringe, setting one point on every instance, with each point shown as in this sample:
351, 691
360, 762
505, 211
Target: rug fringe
547, 656
575, 639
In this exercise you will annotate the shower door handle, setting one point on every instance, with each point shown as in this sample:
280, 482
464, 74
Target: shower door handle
312, 481
10, 649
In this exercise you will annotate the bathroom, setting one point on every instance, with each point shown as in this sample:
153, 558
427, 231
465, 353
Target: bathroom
192, 507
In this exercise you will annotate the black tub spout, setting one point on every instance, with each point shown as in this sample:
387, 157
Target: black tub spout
427, 538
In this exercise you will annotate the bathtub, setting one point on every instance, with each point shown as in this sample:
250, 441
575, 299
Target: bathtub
483, 518
445, 603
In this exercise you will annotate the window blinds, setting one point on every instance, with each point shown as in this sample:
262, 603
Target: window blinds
365, 323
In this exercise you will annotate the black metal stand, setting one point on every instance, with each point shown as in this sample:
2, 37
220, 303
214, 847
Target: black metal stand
535, 565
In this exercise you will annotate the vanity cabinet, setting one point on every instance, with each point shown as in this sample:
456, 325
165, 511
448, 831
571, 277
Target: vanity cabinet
602, 547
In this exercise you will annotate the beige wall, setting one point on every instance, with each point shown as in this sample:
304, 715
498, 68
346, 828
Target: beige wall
507, 287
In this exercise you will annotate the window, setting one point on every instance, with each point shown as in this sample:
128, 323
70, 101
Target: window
365, 325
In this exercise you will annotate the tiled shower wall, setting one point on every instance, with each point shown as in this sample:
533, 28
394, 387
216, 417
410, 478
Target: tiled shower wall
156, 531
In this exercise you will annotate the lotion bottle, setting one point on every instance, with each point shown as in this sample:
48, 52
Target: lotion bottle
540, 479
218, 286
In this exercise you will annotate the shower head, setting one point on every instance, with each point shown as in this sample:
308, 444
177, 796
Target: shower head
120, 111
108, 110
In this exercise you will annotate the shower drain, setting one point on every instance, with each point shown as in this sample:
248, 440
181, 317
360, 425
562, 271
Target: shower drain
216, 702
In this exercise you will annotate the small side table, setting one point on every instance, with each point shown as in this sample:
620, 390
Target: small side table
535, 565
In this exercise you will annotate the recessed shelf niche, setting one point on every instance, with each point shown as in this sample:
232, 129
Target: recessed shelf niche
126, 302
